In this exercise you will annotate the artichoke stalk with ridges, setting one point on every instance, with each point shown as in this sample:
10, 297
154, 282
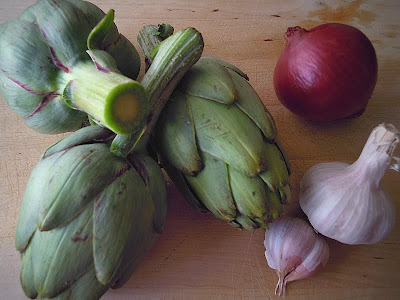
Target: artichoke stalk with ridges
88, 217
218, 143
61, 60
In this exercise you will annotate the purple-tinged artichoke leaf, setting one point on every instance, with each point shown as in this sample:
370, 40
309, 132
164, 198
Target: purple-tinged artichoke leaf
54, 116
223, 131
20, 101
175, 135
62, 255
250, 103
65, 29
20, 42
103, 61
75, 179
122, 219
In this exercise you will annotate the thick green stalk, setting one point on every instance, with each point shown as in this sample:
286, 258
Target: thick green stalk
110, 98
175, 55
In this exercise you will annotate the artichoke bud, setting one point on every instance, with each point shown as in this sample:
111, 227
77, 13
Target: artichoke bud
219, 145
88, 217
44, 56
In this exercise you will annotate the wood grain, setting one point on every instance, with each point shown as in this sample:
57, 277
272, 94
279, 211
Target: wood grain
197, 256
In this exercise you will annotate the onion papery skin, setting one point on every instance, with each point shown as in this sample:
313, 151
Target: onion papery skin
326, 73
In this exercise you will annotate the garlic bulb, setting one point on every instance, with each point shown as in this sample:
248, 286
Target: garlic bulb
347, 202
294, 250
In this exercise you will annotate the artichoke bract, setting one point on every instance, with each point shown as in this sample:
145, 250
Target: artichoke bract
63, 60
218, 143
88, 217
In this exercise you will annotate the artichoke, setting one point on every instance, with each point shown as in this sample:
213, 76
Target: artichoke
218, 144
61, 60
88, 217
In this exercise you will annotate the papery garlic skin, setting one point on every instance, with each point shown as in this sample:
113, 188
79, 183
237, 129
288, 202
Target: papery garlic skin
347, 202
294, 250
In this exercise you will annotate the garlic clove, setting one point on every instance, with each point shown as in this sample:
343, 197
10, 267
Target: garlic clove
294, 250
347, 202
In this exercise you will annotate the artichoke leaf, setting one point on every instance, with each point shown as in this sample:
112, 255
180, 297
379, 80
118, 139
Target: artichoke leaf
153, 178
31, 203
213, 188
209, 81
62, 255
277, 173
250, 103
86, 287
142, 249
103, 61
27, 280
120, 223
175, 135
226, 65
90, 134
179, 180
65, 29
285, 193
285, 157
126, 57
249, 194
275, 205
54, 116
246, 222
121, 49
92, 12
223, 131
78, 175
28, 15
20, 41
99, 33
21, 101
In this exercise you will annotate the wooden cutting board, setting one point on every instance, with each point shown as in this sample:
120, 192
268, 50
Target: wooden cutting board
197, 256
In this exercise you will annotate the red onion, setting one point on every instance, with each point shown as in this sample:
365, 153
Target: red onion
326, 73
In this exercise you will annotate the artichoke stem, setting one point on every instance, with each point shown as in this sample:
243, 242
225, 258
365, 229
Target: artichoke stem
110, 98
175, 55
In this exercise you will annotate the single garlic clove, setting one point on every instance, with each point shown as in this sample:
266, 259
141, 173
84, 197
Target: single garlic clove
347, 202
294, 250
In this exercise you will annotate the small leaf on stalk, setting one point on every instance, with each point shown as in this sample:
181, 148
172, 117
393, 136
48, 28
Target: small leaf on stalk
99, 33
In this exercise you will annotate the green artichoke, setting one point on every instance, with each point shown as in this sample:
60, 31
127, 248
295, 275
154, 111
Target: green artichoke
218, 144
61, 60
95, 203
88, 217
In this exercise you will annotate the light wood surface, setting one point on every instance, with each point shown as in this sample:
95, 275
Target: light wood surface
197, 256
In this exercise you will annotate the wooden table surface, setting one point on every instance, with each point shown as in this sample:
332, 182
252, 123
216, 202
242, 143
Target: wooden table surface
197, 256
